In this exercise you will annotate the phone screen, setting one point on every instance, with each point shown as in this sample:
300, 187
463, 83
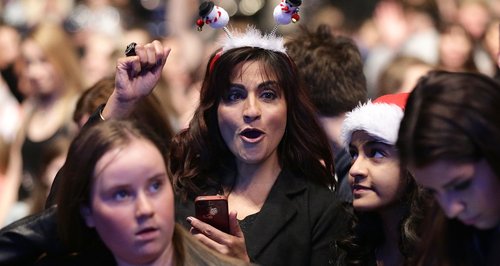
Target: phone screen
213, 210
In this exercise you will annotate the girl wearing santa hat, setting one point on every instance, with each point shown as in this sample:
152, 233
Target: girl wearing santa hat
381, 188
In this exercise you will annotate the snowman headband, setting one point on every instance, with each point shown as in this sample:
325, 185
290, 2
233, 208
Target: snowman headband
217, 18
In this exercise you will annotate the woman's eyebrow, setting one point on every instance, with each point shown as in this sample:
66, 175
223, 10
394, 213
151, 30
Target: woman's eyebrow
270, 83
238, 85
377, 143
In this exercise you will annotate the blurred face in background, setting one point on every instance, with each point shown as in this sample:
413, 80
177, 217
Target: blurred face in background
455, 48
41, 75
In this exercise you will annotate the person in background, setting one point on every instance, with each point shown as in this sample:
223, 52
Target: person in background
450, 140
382, 189
53, 160
456, 49
332, 69
401, 75
148, 110
52, 70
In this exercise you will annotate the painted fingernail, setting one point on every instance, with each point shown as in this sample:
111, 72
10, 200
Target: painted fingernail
189, 219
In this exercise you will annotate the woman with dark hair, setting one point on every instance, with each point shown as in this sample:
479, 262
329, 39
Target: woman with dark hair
381, 188
255, 139
450, 140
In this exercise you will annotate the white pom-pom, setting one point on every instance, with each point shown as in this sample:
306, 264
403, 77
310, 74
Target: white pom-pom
254, 38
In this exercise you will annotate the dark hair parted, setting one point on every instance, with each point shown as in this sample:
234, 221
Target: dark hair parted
453, 117
77, 174
332, 68
199, 152
450, 117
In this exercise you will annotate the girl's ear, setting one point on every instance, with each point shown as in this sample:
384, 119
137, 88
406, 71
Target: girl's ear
87, 216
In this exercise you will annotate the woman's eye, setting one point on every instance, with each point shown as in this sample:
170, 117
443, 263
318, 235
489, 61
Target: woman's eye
120, 195
462, 186
233, 94
354, 154
155, 186
232, 97
269, 95
376, 153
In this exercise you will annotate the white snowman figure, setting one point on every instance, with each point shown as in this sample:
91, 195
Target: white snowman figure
212, 15
287, 11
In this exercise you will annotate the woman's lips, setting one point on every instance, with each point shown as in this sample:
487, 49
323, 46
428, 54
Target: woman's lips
470, 221
252, 135
360, 188
147, 233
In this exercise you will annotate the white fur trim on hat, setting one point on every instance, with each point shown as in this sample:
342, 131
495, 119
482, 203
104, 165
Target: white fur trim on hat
254, 38
380, 120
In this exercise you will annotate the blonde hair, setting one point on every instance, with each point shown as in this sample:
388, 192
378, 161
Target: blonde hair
61, 52
190, 251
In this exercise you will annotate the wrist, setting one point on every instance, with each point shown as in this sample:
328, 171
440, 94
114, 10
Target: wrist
117, 107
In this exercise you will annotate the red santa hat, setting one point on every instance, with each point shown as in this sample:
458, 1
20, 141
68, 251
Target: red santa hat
379, 118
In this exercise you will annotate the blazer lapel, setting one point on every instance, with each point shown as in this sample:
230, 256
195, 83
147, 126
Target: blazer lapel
274, 215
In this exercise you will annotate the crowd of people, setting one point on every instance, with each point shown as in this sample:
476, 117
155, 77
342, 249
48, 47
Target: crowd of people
329, 149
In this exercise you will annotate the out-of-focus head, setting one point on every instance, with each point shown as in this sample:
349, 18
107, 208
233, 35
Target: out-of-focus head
51, 62
450, 137
401, 75
148, 110
332, 69
456, 49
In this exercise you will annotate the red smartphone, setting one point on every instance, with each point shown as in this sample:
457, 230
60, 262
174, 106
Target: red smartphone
213, 210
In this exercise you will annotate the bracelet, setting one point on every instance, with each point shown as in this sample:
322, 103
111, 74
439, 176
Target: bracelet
101, 108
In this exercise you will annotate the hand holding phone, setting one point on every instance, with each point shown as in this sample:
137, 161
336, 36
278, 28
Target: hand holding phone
213, 210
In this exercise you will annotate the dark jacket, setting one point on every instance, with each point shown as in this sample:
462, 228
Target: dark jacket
299, 224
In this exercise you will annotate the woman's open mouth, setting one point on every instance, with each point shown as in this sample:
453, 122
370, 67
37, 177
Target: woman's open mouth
251, 135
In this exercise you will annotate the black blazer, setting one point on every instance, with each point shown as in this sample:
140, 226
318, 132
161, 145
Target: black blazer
299, 224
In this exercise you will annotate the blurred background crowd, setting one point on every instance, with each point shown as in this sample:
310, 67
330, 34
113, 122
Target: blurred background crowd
53, 50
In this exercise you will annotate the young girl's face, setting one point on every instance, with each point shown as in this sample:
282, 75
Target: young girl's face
466, 191
132, 203
375, 173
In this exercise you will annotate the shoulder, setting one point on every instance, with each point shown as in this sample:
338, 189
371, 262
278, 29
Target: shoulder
294, 184
75, 259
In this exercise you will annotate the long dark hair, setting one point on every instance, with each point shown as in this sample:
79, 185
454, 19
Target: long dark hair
199, 154
452, 117
366, 228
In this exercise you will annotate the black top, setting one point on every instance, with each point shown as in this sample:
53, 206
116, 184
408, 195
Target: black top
33, 153
299, 224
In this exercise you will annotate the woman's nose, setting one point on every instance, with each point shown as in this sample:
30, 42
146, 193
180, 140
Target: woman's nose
144, 207
359, 169
451, 205
251, 111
